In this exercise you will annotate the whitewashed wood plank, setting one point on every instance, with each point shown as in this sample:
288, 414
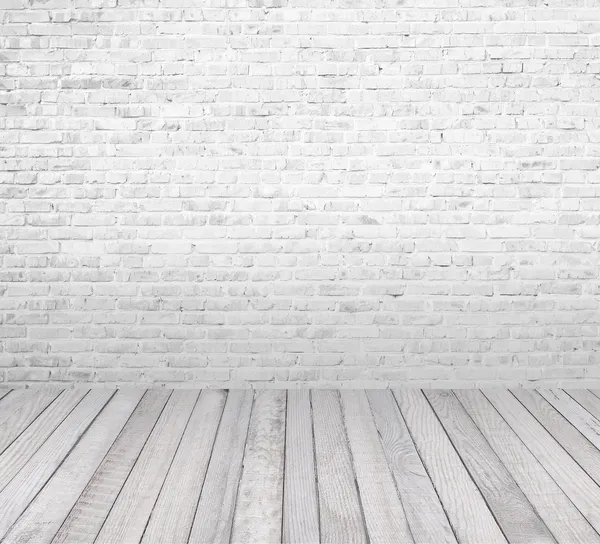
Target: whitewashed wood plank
300, 500
465, 507
91, 509
19, 492
173, 515
259, 508
130, 513
214, 516
384, 515
576, 414
587, 400
14, 400
578, 447
3, 392
44, 516
15, 456
340, 510
573, 480
426, 517
513, 512
14, 425
561, 516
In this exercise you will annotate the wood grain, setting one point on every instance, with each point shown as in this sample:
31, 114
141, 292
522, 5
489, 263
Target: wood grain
173, 514
470, 517
578, 447
368, 467
563, 519
425, 514
259, 509
384, 515
19, 420
14, 400
214, 516
576, 414
19, 492
340, 510
14, 457
513, 512
44, 516
130, 513
300, 501
572, 479
83, 523
587, 400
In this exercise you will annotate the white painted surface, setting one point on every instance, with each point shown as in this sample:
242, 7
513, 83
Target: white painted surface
325, 192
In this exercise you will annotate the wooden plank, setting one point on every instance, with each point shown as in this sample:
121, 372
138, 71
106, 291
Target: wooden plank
129, 516
425, 514
259, 509
340, 509
576, 414
587, 399
14, 458
4, 391
465, 507
23, 416
300, 501
563, 432
11, 402
173, 514
384, 515
17, 495
214, 515
42, 519
91, 509
563, 519
573, 480
513, 512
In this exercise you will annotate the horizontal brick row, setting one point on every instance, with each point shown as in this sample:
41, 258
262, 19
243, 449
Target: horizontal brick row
267, 193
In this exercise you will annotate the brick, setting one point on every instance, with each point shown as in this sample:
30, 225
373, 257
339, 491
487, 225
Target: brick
408, 201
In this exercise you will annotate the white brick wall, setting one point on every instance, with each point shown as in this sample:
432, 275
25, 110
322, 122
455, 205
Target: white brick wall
267, 192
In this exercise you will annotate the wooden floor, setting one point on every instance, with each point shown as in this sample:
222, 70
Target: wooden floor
299, 466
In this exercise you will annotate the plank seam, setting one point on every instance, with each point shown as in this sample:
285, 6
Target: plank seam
555, 439
314, 451
242, 468
32, 421
132, 467
98, 467
4, 392
284, 461
62, 460
425, 467
505, 468
566, 417
170, 465
53, 430
573, 398
410, 532
208, 464
353, 465
468, 471
11, 395
536, 457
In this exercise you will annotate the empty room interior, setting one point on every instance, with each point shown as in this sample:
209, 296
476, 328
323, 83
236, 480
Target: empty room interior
299, 271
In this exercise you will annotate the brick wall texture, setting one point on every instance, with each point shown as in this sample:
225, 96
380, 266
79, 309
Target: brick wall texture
289, 192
